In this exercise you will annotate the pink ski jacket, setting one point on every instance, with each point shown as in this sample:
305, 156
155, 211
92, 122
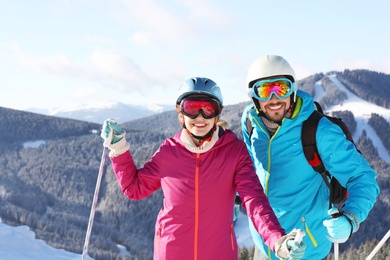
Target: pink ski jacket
196, 220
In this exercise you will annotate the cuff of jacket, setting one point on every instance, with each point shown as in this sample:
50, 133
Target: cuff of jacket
353, 219
118, 148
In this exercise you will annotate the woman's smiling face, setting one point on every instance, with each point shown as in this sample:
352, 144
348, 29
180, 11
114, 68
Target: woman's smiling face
199, 126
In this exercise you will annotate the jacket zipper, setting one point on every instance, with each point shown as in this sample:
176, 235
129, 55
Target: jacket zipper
269, 154
196, 229
308, 232
231, 236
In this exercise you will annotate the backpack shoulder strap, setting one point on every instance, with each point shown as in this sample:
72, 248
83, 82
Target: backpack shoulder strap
318, 107
309, 144
338, 193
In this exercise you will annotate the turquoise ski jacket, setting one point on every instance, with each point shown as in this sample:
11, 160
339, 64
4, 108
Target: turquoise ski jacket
298, 194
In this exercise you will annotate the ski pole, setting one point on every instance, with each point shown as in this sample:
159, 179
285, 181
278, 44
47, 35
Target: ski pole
336, 213
336, 251
298, 237
106, 144
97, 188
94, 203
378, 246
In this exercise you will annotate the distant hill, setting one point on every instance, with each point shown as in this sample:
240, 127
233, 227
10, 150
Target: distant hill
98, 112
50, 186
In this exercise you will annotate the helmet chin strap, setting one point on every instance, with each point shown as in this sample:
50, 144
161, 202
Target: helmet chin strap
208, 135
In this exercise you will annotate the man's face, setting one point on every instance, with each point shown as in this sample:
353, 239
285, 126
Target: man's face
275, 109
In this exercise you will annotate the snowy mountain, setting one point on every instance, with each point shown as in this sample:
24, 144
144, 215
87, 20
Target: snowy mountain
362, 111
19, 242
98, 112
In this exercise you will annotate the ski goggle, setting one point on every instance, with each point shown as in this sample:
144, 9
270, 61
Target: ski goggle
263, 89
209, 108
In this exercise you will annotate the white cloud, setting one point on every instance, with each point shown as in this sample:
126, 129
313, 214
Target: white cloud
117, 67
302, 72
84, 92
141, 38
58, 63
156, 19
205, 13
110, 68
97, 39
384, 66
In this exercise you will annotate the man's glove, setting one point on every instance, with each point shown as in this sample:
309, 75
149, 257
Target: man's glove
288, 247
113, 135
340, 226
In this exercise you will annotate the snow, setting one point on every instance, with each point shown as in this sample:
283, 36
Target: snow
33, 144
19, 243
123, 250
362, 111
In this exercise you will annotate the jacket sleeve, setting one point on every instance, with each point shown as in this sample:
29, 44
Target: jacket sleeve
244, 128
136, 183
255, 201
350, 168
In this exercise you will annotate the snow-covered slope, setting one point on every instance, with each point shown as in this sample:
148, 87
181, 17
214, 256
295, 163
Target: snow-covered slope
19, 243
362, 111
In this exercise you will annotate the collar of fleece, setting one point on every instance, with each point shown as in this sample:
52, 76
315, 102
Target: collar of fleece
206, 145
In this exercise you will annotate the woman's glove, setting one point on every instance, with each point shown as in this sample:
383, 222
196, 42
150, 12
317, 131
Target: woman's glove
297, 249
113, 135
289, 247
340, 226
111, 132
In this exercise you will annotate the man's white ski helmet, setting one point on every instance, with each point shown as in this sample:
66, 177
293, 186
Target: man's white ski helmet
269, 66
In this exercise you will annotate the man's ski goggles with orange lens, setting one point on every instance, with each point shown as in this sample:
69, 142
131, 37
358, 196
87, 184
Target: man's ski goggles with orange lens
209, 108
280, 87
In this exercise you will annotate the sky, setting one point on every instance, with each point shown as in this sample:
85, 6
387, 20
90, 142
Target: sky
68, 53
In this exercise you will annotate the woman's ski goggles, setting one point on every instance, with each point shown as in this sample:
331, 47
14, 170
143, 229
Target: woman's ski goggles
263, 89
209, 108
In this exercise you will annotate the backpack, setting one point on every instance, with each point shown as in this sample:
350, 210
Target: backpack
338, 193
